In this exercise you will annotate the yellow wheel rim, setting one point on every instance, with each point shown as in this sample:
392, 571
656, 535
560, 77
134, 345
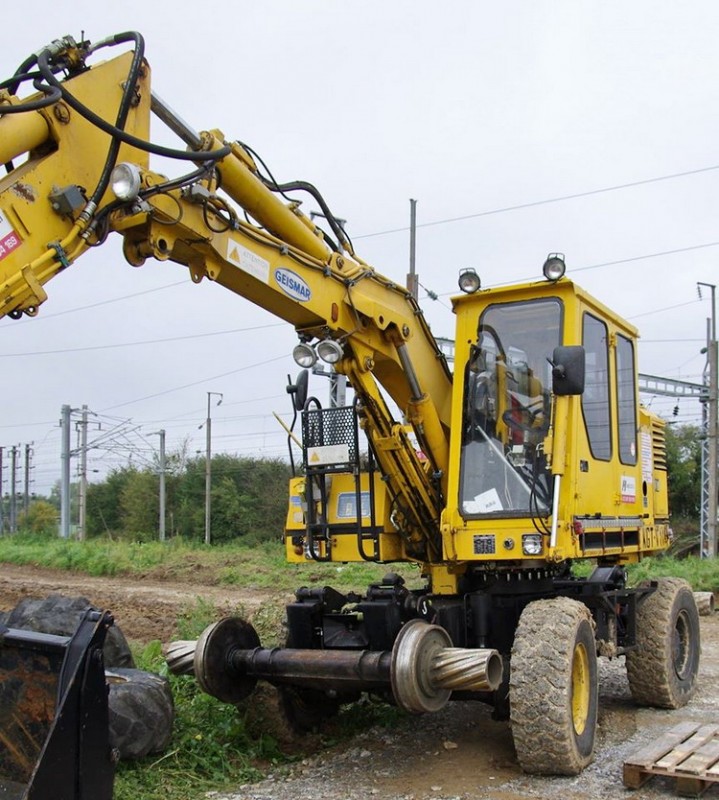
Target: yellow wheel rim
580, 688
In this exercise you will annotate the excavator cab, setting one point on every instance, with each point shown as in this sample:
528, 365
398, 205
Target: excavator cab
54, 731
556, 457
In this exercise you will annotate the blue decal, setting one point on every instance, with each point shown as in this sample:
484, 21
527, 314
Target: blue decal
292, 285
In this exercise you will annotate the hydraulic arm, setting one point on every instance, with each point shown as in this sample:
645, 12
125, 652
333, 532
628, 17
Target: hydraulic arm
60, 201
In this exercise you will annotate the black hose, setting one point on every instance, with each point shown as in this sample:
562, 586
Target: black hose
123, 111
272, 183
100, 224
177, 183
124, 136
18, 78
304, 186
51, 95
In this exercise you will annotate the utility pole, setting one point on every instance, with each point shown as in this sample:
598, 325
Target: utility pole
712, 430
65, 473
26, 499
13, 499
412, 281
82, 496
162, 485
208, 468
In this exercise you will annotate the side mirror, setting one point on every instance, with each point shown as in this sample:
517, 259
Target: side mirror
568, 368
298, 390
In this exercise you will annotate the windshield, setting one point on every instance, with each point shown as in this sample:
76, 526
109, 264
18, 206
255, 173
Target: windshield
506, 410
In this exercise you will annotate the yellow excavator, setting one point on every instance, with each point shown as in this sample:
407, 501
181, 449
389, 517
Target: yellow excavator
531, 456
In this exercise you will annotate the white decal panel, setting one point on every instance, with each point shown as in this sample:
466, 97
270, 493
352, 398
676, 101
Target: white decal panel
248, 261
629, 489
328, 454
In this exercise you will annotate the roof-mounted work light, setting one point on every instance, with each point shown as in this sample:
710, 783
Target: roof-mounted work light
469, 281
554, 267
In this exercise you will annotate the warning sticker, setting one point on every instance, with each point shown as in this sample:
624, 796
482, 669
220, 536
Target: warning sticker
328, 454
628, 489
247, 260
9, 240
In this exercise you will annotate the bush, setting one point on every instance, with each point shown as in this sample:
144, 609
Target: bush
42, 519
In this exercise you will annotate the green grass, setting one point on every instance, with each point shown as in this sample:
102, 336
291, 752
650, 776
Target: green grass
216, 746
260, 566
702, 574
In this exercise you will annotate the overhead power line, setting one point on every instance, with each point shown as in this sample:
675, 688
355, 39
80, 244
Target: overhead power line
110, 300
196, 383
144, 342
544, 202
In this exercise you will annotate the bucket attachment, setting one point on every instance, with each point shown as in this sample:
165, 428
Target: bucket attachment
54, 730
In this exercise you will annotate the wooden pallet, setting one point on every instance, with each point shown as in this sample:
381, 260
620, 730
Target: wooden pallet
689, 753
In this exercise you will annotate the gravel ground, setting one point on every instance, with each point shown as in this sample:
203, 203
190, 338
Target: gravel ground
458, 754
461, 754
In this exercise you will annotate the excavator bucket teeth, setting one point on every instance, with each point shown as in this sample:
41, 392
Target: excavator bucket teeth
54, 732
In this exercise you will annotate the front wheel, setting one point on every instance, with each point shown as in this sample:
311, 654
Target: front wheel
553, 687
662, 668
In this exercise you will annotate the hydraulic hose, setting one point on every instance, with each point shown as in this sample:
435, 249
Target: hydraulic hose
121, 135
123, 111
51, 95
304, 186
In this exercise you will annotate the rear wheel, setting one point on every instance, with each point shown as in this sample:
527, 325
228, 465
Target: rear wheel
553, 687
662, 669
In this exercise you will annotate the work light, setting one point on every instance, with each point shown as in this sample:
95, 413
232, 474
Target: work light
126, 181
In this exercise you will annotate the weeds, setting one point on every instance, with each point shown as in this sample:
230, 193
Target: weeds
211, 747
214, 747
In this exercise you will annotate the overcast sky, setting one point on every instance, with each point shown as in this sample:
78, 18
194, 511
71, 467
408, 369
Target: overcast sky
474, 108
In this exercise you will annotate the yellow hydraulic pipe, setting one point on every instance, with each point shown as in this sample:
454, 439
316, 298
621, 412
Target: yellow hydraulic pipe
262, 204
423, 413
559, 443
558, 440
20, 133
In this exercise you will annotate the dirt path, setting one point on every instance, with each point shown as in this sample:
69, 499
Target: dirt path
458, 754
144, 610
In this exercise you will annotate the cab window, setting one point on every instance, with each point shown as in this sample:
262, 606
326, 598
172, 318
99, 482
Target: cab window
595, 400
626, 401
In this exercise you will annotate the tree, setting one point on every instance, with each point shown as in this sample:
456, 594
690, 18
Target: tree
104, 503
139, 503
684, 465
249, 500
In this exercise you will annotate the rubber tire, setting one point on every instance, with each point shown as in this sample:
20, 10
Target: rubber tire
548, 635
61, 615
141, 712
663, 619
